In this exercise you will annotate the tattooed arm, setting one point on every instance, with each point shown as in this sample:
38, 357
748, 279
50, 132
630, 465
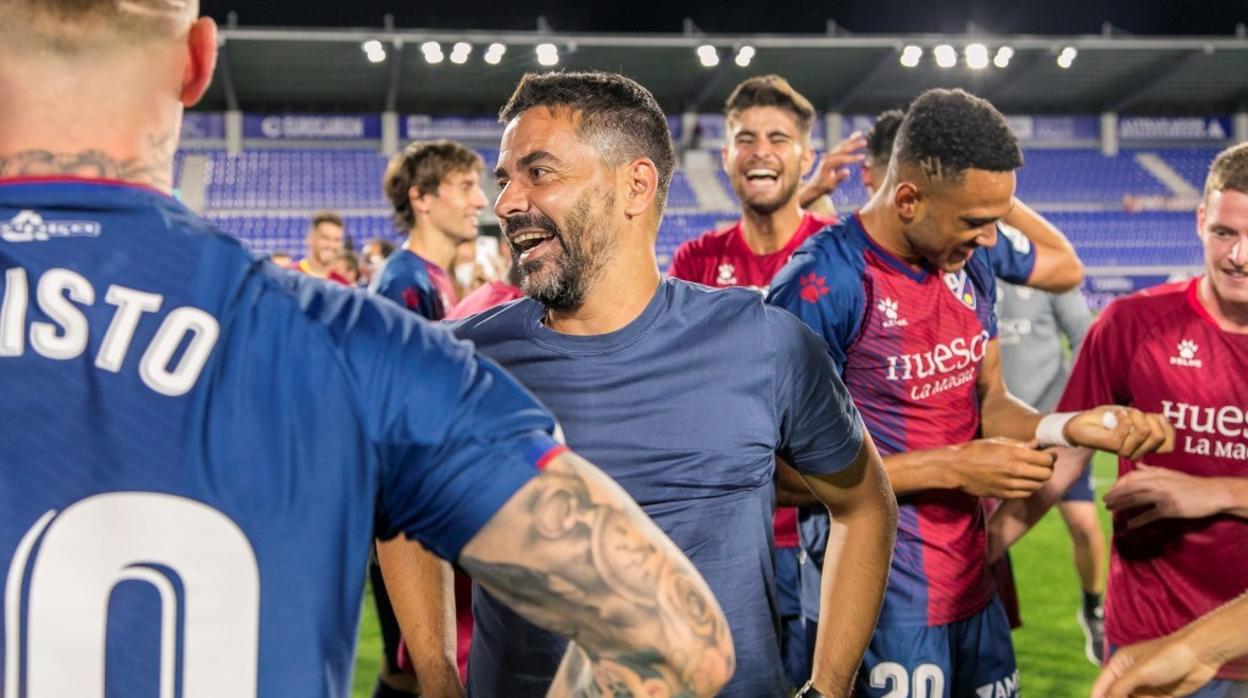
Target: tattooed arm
572, 553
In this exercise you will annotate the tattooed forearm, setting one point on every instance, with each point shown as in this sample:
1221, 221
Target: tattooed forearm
154, 168
573, 554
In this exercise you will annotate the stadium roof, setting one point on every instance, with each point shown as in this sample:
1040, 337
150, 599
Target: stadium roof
277, 69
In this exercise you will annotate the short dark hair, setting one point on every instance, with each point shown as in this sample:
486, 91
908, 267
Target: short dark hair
423, 164
771, 91
882, 134
615, 114
947, 132
1229, 171
384, 246
327, 217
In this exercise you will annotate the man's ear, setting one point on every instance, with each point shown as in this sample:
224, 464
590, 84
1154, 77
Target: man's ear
641, 184
908, 200
201, 47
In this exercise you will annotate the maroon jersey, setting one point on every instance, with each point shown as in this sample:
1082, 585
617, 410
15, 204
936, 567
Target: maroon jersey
722, 258
1160, 351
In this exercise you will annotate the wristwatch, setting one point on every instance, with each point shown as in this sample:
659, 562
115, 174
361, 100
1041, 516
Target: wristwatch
809, 691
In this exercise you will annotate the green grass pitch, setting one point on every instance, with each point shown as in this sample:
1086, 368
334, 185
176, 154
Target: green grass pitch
1049, 645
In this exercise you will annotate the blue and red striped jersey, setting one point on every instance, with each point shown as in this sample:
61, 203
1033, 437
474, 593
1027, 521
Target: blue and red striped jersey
909, 344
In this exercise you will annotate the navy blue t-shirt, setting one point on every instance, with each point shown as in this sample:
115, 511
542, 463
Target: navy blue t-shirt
686, 408
199, 448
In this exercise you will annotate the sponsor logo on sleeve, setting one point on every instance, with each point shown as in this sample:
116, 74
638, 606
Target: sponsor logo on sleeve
814, 287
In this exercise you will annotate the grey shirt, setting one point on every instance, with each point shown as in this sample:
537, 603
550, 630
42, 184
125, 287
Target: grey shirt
1030, 325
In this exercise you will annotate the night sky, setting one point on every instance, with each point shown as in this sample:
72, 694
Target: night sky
1149, 17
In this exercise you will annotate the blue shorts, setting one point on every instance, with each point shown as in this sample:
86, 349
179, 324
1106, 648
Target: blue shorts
1083, 489
789, 602
958, 660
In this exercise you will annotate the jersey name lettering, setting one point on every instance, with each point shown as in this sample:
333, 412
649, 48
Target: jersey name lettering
60, 292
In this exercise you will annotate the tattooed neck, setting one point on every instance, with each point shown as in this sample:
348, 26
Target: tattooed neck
154, 168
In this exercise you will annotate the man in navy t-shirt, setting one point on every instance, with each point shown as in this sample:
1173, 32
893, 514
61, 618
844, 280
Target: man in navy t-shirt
684, 393
181, 510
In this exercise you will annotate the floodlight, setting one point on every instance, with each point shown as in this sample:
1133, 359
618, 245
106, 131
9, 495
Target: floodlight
1002, 59
547, 54
494, 54
744, 55
910, 55
976, 56
708, 56
1067, 57
946, 56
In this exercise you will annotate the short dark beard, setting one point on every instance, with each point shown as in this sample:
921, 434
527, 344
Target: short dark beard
154, 168
585, 253
769, 207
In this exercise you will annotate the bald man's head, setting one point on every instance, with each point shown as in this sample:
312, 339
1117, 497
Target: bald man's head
82, 26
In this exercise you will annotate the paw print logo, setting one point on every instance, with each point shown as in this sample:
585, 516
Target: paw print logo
888, 306
814, 287
1187, 349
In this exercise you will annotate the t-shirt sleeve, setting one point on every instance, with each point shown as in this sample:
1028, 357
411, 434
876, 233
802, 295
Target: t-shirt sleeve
831, 303
984, 277
820, 429
1073, 316
455, 435
1013, 257
1099, 374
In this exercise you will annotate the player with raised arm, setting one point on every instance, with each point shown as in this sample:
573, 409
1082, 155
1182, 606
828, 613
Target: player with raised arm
175, 486
435, 189
903, 299
768, 125
1180, 544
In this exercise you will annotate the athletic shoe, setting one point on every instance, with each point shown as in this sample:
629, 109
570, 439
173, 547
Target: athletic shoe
1093, 625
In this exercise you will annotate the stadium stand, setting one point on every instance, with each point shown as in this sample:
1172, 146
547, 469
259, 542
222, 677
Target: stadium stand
265, 195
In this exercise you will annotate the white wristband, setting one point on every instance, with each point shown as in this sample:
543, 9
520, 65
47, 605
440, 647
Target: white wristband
1049, 432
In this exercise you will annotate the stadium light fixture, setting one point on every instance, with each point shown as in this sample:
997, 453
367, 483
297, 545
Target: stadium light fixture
910, 56
745, 54
1066, 58
1002, 59
946, 56
460, 52
374, 50
432, 51
494, 54
976, 56
708, 56
548, 54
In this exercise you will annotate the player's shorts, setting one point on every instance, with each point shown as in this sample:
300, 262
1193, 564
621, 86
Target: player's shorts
1083, 489
967, 659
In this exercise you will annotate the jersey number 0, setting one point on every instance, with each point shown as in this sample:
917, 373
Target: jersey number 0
65, 568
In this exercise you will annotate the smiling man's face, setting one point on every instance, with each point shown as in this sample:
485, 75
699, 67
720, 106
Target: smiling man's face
765, 156
555, 204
